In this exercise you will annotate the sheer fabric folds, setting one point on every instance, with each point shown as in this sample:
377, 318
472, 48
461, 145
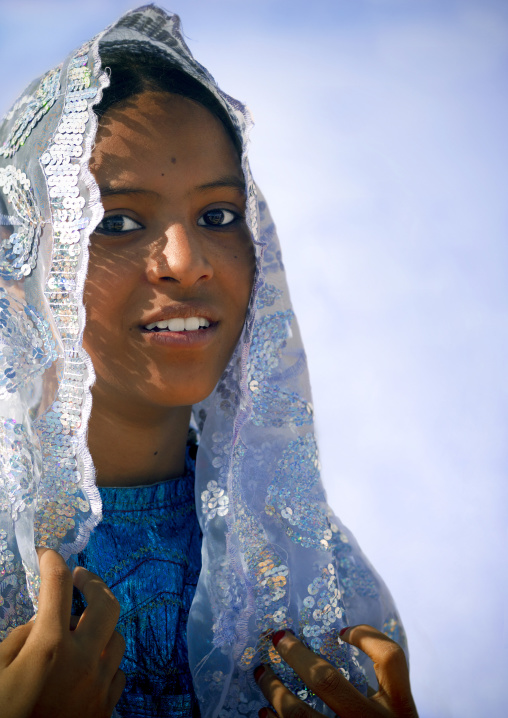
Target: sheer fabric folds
274, 555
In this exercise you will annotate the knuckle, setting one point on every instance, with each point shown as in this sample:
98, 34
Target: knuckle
52, 649
393, 657
327, 681
110, 604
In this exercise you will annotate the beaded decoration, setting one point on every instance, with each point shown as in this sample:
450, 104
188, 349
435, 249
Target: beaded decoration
19, 467
46, 489
16, 605
27, 347
18, 462
34, 108
62, 497
18, 251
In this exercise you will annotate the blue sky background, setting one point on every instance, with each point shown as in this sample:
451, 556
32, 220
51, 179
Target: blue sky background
380, 143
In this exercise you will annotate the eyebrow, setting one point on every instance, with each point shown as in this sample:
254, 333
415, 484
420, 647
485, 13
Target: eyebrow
107, 190
230, 181
227, 181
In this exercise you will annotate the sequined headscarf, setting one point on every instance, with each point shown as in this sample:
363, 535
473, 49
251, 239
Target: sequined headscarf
274, 555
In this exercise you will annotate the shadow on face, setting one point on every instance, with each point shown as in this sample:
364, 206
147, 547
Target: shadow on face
173, 244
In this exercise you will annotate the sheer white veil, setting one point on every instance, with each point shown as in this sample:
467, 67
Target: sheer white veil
274, 555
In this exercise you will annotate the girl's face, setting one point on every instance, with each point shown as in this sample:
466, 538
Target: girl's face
172, 263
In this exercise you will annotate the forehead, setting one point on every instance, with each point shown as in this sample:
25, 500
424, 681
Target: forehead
155, 128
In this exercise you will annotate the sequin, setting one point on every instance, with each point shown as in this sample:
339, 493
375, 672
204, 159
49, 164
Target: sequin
15, 605
354, 575
221, 448
272, 259
227, 389
267, 296
273, 405
31, 109
394, 629
215, 501
297, 506
248, 655
62, 500
18, 251
18, 467
26, 343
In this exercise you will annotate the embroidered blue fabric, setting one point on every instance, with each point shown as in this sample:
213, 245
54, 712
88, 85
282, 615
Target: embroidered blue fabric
148, 550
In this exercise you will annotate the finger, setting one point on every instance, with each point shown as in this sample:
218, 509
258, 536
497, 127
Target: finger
17, 660
13, 643
390, 662
322, 678
112, 656
99, 618
55, 595
116, 689
281, 698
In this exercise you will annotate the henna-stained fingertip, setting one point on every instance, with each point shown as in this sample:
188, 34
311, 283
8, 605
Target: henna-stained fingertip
277, 637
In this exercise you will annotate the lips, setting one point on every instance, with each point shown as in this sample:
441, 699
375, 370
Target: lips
184, 339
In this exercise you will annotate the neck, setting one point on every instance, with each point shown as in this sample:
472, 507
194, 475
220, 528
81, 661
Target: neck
132, 445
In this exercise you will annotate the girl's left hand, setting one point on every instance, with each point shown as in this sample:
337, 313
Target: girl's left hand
392, 700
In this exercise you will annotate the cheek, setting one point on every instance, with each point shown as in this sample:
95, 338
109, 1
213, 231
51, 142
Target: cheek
97, 291
104, 296
109, 275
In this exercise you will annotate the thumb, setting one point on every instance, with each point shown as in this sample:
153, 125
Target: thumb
55, 595
389, 660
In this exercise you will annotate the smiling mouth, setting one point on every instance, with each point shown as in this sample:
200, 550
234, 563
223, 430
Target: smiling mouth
178, 324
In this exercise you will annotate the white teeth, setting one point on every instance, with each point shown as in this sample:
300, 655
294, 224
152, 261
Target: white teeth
178, 324
175, 325
191, 324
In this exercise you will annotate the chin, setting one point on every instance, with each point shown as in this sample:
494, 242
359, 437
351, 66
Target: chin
187, 396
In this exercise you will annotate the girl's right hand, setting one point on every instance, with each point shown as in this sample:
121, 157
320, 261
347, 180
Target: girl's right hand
392, 700
47, 669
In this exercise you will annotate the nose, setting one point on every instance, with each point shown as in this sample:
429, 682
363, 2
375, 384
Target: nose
179, 256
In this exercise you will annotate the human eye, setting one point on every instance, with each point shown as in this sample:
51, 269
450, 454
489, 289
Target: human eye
218, 218
117, 224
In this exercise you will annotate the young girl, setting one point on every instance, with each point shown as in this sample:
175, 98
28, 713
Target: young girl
219, 558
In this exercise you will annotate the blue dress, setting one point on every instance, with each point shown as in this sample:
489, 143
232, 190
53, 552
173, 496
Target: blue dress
148, 550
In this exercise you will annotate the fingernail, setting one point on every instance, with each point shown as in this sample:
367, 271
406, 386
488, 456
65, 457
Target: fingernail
263, 712
258, 672
343, 630
277, 637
